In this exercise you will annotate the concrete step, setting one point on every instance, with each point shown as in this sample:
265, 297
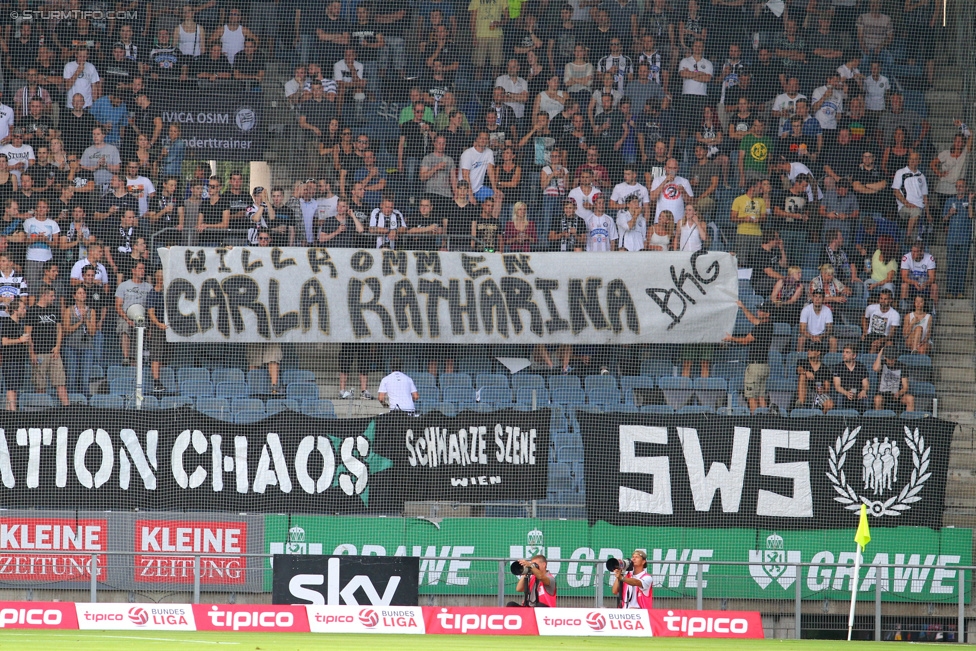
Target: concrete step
948, 375
949, 82
951, 402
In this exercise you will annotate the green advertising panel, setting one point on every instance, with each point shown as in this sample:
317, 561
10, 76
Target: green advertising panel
673, 554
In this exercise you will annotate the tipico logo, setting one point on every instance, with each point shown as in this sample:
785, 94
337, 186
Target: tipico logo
774, 563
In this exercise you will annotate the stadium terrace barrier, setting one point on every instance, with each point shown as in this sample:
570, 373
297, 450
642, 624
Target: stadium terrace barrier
368, 619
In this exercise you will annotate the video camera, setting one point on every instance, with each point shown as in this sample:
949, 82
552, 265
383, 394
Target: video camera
519, 570
614, 564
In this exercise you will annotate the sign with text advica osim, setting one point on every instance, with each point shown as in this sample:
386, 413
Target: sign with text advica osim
673, 553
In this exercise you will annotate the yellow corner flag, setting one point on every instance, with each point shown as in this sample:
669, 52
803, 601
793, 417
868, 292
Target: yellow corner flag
863, 535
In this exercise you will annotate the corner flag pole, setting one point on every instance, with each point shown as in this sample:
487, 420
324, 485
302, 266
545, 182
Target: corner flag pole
862, 537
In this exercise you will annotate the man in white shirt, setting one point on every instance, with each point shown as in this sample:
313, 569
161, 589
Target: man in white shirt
669, 191
477, 163
911, 192
139, 186
386, 223
629, 186
349, 77
632, 226
19, 156
602, 228
328, 202
828, 102
876, 89
816, 323
918, 277
94, 260
81, 77
696, 72
397, 390
516, 89
785, 103
298, 89
880, 322
7, 116
309, 207
583, 195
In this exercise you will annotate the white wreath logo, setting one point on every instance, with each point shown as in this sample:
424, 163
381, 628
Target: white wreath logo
894, 505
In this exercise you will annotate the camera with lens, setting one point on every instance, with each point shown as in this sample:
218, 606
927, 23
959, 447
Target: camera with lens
614, 564
519, 570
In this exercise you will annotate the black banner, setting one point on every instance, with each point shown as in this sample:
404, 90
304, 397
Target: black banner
83, 458
763, 472
345, 580
217, 126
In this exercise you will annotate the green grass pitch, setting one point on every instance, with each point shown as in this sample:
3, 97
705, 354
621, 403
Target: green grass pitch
159, 640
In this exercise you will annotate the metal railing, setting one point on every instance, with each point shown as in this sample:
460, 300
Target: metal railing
495, 579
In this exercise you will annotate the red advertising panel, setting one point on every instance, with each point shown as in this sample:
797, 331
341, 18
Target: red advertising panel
252, 618
38, 614
407, 620
24, 541
192, 538
593, 621
135, 617
707, 623
480, 621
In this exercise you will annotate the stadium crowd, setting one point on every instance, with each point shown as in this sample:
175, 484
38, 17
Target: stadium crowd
792, 133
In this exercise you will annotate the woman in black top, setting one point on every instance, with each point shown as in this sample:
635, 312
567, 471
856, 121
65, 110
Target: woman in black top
509, 175
461, 213
214, 217
14, 346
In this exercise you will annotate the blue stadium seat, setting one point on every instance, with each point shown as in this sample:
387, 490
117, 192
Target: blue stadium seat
497, 396
677, 390
568, 396
781, 392
523, 396
429, 395
561, 478
296, 375
603, 398
455, 380
483, 380
879, 413
917, 367
473, 364
564, 381
711, 391
528, 381
197, 388
449, 409
459, 395
424, 380
219, 405
100, 401
169, 402
227, 375
792, 361
240, 404
657, 409
116, 372
915, 415
591, 382
628, 383
168, 379
844, 413
35, 402
122, 386
77, 399
249, 416
274, 406
776, 365
303, 391
187, 373
924, 393
696, 409
733, 411
148, 403
569, 454
319, 408
805, 413
233, 389
833, 359
96, 372
258, 382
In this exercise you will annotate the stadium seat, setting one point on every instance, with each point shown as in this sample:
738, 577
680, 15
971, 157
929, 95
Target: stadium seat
561, 478
523, 396
96, 372
240, 404
227, 375
915, 415
303, 391
776, 365
122, 386
656, 368
460, 396
833, 359
591, 382
116, 372
169, 402
711, 391
213, 405
77, 399
781, 392
196, 388
568, 396
187, 373
449, 409
564, 382
879, 413
318, 408
497, 396
792, 361
429, 395
148, 403
249, 416
603, 398
657, 409
483, 380
296, 375
637, 389
274, 406
844, 413
462, 380
528, 381
100, 401
258, 382
695, 409
167, 377
677, 390
733, 411
423, 380
569, 454
924, 393
35, 402
917, 367
232, 389
473, 364
805, 413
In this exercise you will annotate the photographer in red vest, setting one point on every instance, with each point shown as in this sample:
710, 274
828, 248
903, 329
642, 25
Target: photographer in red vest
635, 584
538, 585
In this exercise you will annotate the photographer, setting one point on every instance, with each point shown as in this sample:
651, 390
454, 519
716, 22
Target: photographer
538, 585
641, 592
